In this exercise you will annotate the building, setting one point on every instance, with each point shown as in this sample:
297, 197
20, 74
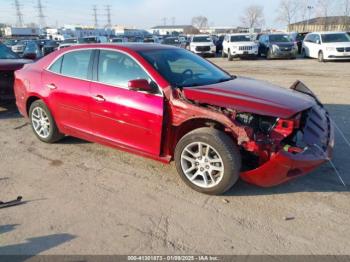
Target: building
331, 23
173, 30
21, 32
218, 30
76, 31
129, 31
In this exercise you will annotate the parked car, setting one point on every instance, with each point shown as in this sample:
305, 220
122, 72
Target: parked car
47, 46
68, 42
174, 41
202, 45
10, 42
118, 40
93, 40
277, 46
20, 46
327, 46
239, 45
298, 39
167, 103
219, 43
9, 63
32, 51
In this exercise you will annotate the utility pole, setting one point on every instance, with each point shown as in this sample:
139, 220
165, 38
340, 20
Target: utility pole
94, 9
173, 21
164, 21
109, 16
19, 14
309, 8
41, 15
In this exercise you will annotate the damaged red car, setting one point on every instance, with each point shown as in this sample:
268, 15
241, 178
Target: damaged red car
168, 104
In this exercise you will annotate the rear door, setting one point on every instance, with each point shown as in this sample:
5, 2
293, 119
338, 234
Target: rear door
124, 117
68, 83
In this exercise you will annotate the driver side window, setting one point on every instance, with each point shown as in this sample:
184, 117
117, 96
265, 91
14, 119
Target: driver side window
117, 69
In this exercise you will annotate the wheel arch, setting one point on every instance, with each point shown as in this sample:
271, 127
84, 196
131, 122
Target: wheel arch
31, 99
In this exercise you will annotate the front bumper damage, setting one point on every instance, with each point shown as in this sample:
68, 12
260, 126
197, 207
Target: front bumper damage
318, 138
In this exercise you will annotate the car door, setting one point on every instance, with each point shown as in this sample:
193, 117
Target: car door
121, 116
68, 83
316, 45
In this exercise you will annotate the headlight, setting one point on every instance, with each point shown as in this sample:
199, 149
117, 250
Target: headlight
234, 47
275, 47
330, 48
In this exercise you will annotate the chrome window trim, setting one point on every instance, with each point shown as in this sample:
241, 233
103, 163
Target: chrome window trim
160, 90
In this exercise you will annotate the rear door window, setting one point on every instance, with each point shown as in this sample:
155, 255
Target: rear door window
76, 64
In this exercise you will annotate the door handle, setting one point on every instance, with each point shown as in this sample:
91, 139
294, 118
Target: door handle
51, 86
99, 98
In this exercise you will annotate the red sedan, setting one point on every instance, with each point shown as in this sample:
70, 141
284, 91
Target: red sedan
168, 104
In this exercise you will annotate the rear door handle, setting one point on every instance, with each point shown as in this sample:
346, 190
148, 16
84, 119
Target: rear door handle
99, 98
51, 86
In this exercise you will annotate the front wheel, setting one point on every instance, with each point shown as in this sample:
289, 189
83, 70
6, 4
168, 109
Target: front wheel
229, 55
321, 57
43, 124
208, 161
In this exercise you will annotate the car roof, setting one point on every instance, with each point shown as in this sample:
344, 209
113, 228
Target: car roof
328, 33
131, 46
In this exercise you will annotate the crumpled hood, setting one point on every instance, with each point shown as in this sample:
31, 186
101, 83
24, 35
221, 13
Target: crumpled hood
252, 96
13, 64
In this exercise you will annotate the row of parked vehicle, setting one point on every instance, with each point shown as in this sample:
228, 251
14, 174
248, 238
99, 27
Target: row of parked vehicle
322, 45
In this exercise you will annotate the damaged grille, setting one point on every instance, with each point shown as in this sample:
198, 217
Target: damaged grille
317, 127
6, 84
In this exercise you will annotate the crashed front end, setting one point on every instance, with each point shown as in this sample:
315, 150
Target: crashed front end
279, 150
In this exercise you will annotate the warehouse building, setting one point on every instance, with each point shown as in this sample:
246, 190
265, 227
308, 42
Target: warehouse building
331, 23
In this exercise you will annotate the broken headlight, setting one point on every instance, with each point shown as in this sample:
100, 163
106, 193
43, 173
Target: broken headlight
263, 124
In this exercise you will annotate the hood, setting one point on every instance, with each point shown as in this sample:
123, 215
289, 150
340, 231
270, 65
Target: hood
13, 64
340, 44
202, 43
248, 43
252, 96
283, 44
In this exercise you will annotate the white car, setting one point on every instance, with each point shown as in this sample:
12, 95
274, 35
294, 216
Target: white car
327, 46
202, 45
239, 45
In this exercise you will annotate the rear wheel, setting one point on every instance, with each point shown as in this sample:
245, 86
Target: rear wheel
208, 161
43, 124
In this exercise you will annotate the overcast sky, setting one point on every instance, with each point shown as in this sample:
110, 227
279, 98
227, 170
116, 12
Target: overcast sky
141, 13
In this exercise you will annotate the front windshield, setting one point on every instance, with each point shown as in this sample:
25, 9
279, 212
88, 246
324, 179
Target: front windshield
70, 41
6, 53
87, 40
335, 38
280, 38
240, 38
171, 41
202, 39
182, 68
10, 42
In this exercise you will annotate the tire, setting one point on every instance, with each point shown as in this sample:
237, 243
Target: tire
229, 55
223, 55
52, 134
321, 57
222, 149
269, 54
303, 53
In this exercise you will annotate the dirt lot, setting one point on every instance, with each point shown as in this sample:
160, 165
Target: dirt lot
84, 198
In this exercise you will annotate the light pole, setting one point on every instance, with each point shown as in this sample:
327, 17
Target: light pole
309, 8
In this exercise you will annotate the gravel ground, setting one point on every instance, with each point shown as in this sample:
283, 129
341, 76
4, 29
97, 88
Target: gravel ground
84, 198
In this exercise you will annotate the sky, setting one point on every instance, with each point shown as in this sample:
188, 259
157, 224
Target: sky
140, 13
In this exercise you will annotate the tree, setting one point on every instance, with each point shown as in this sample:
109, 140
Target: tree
324, 8
200, 22
288, 11
346, 4
253, 16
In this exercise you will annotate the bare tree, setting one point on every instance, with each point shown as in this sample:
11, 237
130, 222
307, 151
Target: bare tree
324, 9
288, 11
200, 22
346, 4
253, 16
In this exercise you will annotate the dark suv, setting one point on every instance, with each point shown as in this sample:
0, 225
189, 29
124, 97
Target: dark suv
277, 46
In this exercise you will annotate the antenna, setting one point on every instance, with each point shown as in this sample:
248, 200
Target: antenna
19, 14
41, 15
95, 16
109, 17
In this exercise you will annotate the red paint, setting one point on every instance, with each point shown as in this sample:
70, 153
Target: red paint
151, 125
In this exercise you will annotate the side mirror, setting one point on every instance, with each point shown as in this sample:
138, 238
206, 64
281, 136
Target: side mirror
140, 85
318, 42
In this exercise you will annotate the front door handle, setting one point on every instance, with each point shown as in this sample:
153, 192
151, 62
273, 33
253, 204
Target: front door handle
51, 86
99, 98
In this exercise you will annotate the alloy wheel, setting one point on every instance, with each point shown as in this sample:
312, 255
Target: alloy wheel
202, 165
40, 122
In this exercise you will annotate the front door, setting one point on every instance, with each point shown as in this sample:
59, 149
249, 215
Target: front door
121, 116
